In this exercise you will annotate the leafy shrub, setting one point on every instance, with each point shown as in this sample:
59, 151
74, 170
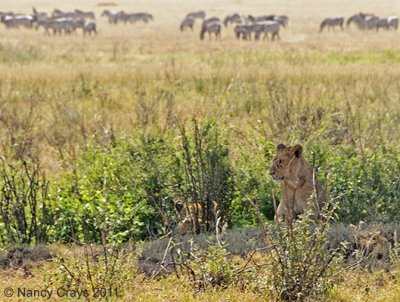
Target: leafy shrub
203, 269
206, 176
129, 190
217, 266
252, 180
365, 183
302, 265
99, 201
152, 158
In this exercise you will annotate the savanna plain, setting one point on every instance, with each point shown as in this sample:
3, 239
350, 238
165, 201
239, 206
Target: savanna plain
102, 136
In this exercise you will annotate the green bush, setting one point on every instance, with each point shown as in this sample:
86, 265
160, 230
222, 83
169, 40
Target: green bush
366, 183
128, 190
206, 175
99, 200
302, 264
252, 179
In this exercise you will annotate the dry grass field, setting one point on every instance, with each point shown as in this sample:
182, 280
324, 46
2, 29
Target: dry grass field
124, 62
337, 93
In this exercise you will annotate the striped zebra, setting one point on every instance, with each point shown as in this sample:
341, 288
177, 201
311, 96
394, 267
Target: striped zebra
113, 16
232, 19
266, 28
38, 15
331, 23
61, 25
382, 23
89, 28
387, 23
196, 15
211, 27
282, 20
17, 21
187, 23
371, 22
243, 31
60, 14
363, 21
51, 25
3, 15
211, 19
393, 22
85, 15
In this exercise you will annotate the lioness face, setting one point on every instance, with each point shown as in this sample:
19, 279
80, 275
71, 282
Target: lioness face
285, 160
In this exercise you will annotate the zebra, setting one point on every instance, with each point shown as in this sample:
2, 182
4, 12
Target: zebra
382, 23
231, 19
60, 14
196, 15
359, 20
243, 30
89, 28
209, 20
393, 21
211, 27
60, 25
371, 22
113, 16
38, 15
187, 23
17, 21
51, 24
331, 23
282, 20
85, 15
145, 17
4, 15
265, 28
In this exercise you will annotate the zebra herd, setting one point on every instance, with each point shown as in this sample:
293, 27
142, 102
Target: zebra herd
244, 26
67, 22
57, 22
362, 21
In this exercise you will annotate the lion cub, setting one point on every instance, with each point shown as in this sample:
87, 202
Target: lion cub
297, 182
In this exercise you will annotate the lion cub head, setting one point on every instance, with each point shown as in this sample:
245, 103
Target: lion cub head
286, 163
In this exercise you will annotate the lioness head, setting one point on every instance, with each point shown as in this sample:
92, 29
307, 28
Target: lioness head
286, 162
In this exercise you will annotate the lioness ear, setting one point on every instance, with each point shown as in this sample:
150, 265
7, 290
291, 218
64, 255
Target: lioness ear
297, 150
280, 147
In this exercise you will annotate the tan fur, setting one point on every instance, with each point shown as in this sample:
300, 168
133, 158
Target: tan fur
297, 181
186, 218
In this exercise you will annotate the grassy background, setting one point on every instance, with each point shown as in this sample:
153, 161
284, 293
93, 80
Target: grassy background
128, 74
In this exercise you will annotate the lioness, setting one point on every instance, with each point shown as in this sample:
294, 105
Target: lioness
297, 182
190, 217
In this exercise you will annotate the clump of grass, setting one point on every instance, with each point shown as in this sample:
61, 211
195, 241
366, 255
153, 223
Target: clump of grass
102, 273
302, 264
